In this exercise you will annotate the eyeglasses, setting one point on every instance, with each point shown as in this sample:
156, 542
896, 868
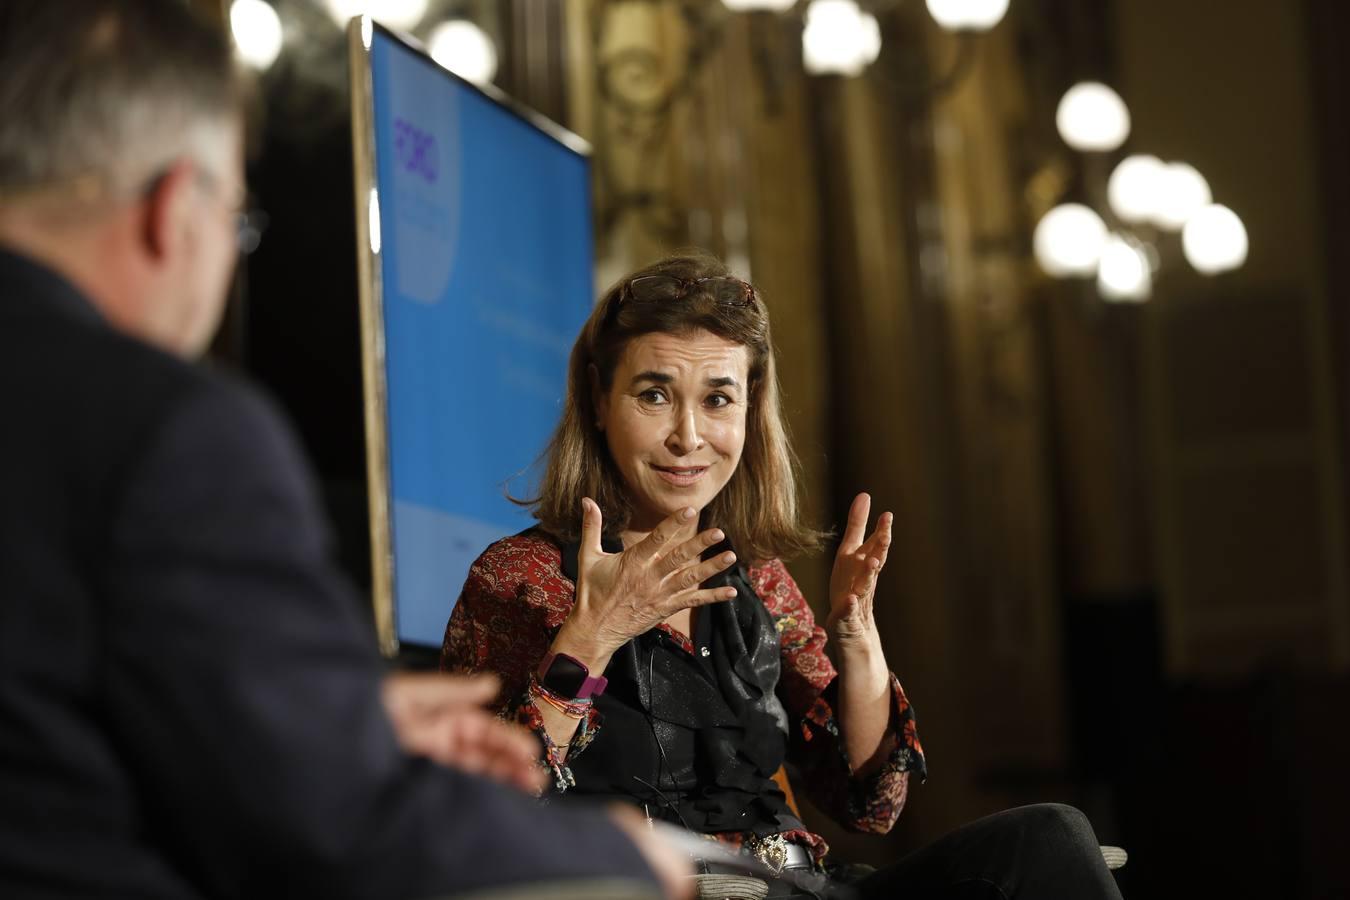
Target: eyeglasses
666, 288
249, 226
249, 222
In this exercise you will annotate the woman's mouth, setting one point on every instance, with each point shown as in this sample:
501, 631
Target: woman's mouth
680, 476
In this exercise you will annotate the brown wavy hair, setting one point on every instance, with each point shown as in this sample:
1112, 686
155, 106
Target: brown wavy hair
758, 507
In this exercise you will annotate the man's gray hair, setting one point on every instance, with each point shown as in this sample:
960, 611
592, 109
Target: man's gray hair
108, 90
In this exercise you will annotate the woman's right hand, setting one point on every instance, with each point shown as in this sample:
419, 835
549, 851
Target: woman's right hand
622, 595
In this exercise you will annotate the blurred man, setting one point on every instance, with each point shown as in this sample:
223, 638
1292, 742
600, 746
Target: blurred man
190, 703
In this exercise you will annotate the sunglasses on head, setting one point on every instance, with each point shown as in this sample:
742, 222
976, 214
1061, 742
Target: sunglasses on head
665, 288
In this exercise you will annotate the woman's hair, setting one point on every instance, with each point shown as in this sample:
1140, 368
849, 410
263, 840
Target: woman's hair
758, 507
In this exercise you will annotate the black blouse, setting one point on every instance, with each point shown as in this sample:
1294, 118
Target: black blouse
695, 739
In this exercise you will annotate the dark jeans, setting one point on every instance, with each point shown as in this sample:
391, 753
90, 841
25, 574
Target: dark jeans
1042, 852
1047, 852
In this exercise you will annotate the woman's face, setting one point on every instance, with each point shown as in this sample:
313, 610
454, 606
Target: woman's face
674, 417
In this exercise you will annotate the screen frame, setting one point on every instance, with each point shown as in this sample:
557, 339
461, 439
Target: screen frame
370, 295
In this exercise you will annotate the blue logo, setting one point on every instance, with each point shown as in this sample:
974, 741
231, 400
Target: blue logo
416, 150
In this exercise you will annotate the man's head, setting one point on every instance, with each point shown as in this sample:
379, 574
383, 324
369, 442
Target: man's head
121, 158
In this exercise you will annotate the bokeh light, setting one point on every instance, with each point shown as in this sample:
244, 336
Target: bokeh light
465, 49
967, 15
1092, 118
839, 38
1135, 188
1215, 240
1069, 240
1184, 192
1124, 273
257, 32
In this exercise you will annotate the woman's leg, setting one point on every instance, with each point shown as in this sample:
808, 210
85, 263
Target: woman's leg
1045, 852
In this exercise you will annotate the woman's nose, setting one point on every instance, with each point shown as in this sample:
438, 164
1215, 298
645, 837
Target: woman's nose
686, 437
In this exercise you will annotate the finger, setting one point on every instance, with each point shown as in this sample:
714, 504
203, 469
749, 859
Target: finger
689, 552
662, 536
866, 583
700, 597
508, 768
857, 523
477, 740
592, 524
694, 574
882, 539
448, 740
502, 752
433, 689
409, 694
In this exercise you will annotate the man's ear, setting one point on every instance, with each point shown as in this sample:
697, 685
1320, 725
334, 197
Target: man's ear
599, 399
168, 208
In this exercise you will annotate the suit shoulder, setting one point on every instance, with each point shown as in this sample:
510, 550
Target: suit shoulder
162, 394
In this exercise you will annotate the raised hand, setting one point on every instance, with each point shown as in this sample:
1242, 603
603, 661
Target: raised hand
442, 717
622, 595
853, 581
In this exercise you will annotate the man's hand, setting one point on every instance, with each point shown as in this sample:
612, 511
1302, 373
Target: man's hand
672, 867
442, 717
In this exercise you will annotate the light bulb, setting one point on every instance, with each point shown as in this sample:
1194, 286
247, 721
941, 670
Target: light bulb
1215, 240
967, 15
839, 38
1124, 272
1069, 241
1092, 118
1135, 188
1184, 193
257, 32
465, 49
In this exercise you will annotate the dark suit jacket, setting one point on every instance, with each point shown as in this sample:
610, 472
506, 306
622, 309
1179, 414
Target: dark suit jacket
189, 696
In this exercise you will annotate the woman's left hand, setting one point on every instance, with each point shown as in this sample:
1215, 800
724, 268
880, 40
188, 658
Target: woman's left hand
853, 581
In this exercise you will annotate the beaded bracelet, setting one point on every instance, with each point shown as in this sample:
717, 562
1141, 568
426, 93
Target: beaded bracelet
573, 709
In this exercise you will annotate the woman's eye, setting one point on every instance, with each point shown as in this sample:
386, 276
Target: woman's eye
651, 395
718, 401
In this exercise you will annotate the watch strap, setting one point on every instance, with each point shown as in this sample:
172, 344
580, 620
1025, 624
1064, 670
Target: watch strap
591, 685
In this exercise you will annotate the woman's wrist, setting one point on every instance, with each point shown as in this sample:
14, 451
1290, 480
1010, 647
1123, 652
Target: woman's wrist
567, 706
858, 638
572, 641
861, 652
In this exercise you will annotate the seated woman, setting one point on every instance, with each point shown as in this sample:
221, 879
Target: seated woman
649, 633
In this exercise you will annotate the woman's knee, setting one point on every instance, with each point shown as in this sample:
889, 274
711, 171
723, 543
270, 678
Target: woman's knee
1060, 824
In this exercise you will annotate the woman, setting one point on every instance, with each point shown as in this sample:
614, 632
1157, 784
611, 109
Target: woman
649, 633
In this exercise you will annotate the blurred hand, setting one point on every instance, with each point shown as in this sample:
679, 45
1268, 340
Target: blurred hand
442, 717
853, 581
672, 866
623, 595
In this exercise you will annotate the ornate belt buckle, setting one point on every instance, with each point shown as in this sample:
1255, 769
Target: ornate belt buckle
772, 851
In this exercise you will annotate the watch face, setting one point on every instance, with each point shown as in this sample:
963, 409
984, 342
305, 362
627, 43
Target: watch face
565, 676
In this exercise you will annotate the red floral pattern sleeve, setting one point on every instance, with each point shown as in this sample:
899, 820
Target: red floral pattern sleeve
807, 687
512, 605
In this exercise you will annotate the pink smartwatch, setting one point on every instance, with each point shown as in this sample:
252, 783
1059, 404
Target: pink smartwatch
568, 677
